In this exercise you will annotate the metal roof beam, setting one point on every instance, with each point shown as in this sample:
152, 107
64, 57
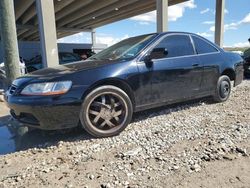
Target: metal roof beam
32, 31
125, 10
61, 29
122, 17
21, 7
29, 14
116, 6
32, 37
59, 5
72, 8
61, 35
28, 33
21, 31
94, 6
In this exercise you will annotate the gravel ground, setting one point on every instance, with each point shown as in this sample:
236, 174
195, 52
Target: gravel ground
197, 144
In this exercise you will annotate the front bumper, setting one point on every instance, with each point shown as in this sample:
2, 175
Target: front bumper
48, 113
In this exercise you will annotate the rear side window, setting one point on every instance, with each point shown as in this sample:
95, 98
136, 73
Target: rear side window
177, 45
203, 47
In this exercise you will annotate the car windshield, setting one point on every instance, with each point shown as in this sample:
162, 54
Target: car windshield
125, 49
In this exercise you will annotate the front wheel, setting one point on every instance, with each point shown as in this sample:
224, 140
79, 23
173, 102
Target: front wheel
106, 111
223, 89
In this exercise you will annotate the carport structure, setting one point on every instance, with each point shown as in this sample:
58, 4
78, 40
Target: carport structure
48, 20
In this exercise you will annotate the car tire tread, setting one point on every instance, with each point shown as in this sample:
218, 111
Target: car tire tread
217, 96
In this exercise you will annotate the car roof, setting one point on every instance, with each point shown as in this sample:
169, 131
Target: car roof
171, 32
165, 33
176, 32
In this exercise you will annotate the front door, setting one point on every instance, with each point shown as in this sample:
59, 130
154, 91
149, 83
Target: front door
179, 74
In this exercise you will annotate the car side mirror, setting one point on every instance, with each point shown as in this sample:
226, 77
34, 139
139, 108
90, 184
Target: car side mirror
158, 53
148, 61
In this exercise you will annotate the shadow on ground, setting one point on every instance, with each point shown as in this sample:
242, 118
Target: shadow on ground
15, 137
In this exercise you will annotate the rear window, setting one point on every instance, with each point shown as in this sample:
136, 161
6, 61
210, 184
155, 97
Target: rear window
203, 47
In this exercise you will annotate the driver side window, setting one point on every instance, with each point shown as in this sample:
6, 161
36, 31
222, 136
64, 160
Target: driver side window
177, 45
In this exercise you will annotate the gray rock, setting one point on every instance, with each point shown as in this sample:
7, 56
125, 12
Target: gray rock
132, 152
106, 185
176, 167
229, 157
242, 151
195, 168
91, 176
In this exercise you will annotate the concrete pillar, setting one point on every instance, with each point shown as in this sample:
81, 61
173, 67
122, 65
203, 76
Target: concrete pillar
162, 15
9, 40
93, 38
47, 31
219, 22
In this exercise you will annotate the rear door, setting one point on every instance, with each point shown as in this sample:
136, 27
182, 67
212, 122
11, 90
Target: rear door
210, 57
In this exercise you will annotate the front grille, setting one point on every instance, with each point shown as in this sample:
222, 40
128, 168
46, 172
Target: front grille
12, 89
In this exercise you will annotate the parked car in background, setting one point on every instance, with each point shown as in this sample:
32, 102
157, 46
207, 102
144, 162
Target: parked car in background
247, 67
246, 57
135, 74
64, 58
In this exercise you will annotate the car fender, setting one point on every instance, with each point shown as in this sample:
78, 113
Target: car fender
120, 83
233, 62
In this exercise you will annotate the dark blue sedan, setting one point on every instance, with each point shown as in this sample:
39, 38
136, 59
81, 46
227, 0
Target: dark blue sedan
135, 74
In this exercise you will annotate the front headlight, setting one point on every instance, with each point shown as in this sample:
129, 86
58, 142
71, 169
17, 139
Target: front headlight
47, 88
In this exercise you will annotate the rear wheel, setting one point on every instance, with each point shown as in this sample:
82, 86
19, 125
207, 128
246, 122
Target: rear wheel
106, 111
223, 89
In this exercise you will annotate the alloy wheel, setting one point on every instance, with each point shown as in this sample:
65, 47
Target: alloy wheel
107, 112
224, 89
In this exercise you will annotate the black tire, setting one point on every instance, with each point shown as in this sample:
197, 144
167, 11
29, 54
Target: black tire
106, 111
223, 89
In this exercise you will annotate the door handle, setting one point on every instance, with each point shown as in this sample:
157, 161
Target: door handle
195, 65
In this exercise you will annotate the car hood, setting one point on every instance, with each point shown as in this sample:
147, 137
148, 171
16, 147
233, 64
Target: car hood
59, 71
70, 68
